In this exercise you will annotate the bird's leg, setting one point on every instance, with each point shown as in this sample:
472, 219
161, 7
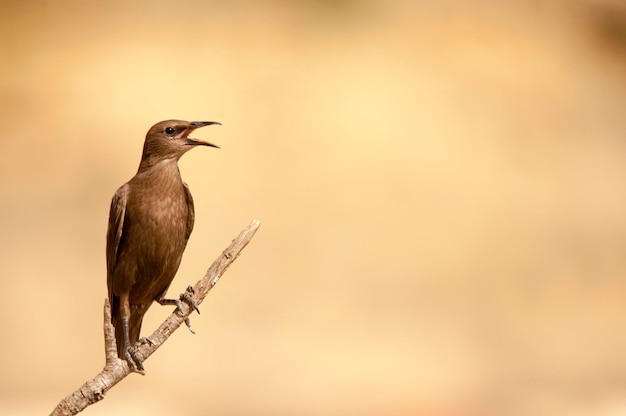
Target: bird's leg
184, 297
129, 354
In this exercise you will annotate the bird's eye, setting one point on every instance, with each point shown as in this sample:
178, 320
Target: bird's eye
169, 131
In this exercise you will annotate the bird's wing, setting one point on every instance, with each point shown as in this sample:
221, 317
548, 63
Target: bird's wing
192, 213
114, 232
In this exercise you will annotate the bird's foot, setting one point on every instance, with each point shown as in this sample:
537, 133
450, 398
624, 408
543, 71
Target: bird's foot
145, 340
184, 297
134, 361
188, 299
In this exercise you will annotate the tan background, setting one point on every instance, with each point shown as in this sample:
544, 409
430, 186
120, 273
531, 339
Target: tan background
441, 186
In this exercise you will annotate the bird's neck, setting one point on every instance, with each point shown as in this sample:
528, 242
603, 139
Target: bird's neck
151, 161
159, 169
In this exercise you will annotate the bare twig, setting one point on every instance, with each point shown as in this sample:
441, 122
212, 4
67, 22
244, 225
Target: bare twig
115, 369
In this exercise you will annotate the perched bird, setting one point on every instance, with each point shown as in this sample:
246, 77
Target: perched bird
150, 221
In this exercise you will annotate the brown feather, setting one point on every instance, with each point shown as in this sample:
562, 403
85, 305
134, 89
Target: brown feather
150, 221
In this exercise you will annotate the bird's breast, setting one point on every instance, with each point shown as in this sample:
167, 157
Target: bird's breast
160, 210
154, 238
157, 213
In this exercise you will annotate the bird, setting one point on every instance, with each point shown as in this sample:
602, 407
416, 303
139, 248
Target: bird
150, 221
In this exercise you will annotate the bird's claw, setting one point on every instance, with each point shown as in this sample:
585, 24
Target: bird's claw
188, 299
134, 362
145, 340
188, 323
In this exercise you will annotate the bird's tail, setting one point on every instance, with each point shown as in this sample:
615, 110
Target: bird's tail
134, 327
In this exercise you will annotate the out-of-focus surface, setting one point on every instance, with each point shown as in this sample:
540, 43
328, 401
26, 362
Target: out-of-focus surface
441, 187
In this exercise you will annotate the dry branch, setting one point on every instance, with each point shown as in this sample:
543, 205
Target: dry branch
115, 369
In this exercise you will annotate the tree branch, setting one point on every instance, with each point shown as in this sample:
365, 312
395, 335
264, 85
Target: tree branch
116, 369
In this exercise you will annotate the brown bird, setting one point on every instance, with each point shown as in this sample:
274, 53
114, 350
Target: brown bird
150, 221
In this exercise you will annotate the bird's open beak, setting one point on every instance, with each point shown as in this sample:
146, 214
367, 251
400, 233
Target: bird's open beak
196, 125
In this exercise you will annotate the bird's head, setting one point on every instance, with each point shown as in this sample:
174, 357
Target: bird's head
170, 139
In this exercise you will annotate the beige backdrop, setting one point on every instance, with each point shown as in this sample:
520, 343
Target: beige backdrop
441, 186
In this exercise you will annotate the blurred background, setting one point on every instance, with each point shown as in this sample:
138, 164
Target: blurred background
441, 186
